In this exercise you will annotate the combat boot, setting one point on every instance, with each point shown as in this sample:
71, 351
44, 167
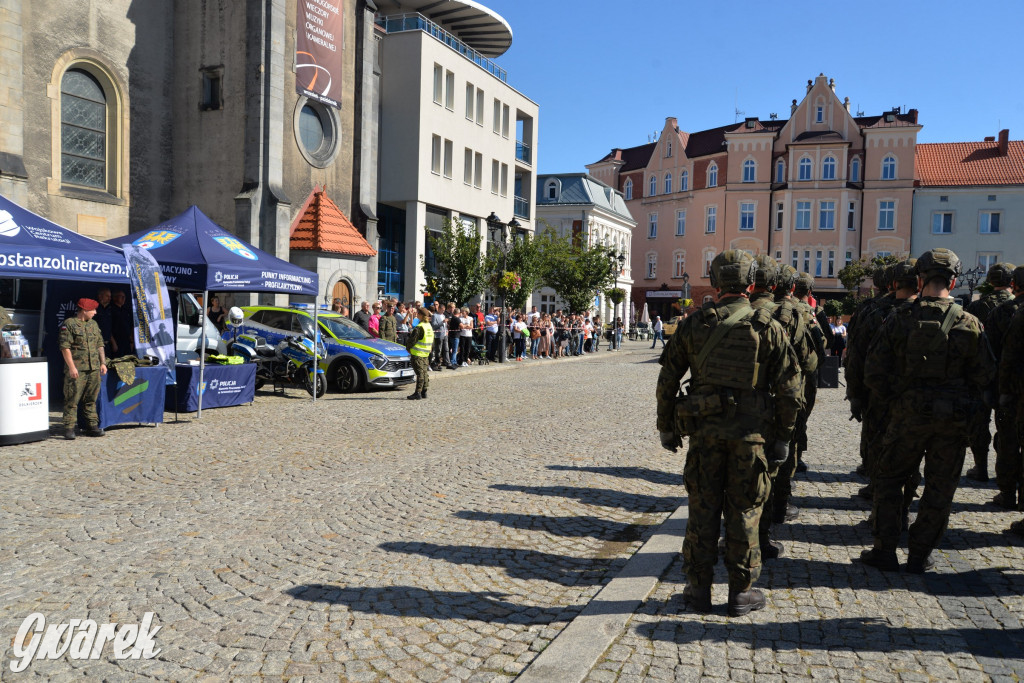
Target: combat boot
785, 513
423, 394
414, 397
744, 602
1006, 499
69, 434
770, 549
1016, 529
885, 560
698, 598
866, 492
919, 564
978, 473
94, 431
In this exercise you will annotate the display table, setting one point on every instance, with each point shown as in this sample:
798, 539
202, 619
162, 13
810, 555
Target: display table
226, 385
24, 400
141, 402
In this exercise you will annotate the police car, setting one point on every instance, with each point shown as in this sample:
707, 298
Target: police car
355, 359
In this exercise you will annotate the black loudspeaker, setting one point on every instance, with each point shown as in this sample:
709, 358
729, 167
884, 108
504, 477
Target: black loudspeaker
828, 374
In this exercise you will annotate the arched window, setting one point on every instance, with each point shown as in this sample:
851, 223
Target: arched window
684, 181
828, 168
855, 170
627, 188
749, 171
653, 187
668, 183
780, 172
668, 149
805, 169
83, 130
889, 168
713, 175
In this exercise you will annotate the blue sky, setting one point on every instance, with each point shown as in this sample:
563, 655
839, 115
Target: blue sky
606, 74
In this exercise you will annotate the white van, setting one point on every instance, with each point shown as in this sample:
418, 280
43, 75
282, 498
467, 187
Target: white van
190, 312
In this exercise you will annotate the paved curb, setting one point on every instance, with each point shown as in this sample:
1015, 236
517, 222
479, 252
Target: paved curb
575, 651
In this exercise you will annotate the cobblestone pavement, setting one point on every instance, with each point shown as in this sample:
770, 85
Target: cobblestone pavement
829, 617
364, 537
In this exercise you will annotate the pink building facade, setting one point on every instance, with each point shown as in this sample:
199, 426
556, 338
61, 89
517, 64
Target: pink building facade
816, 191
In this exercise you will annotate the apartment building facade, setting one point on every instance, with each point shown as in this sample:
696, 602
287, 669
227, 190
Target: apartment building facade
457, 141
816, 191
969, 197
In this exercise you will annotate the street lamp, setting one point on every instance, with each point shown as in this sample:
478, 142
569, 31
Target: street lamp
612, 258
500, 239
971, 279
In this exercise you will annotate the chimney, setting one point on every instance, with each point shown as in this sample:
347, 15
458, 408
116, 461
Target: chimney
617, 154
1004, 142
846, 104
792, 107
672, 121
990, 138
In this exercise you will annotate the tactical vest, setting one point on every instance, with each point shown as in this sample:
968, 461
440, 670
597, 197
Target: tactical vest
728, 357
927, 351
423, 347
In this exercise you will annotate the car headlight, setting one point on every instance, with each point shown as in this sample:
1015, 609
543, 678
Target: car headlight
378, 362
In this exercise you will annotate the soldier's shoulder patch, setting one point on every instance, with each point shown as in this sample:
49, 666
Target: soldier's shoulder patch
762, 316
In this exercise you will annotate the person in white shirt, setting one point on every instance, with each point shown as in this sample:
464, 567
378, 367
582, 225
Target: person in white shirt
659, 329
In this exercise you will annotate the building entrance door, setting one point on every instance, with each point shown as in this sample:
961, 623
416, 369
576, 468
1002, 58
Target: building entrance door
341, 291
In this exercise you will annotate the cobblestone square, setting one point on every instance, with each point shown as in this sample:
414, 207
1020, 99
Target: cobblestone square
371, 538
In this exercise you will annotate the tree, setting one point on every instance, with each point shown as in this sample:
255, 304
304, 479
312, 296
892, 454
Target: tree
854, 274
457, 272
575, 269
525, 260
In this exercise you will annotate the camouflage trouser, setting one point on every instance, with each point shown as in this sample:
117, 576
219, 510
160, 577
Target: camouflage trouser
730, 477
421, 367
1009, 465
872, 433
83, 390
980, 438
943, 445
810, 395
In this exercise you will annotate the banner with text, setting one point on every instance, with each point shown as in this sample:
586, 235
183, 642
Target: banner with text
154, 323
318, 43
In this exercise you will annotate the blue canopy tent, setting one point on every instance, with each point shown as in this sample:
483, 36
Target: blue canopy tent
198, 255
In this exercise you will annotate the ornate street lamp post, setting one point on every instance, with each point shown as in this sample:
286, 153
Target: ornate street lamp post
500, 238
971, 278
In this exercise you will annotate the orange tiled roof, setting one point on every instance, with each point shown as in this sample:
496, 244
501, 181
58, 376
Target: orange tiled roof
969, 163
321, 226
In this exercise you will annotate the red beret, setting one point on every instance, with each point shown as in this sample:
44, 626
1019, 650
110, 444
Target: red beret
88, 304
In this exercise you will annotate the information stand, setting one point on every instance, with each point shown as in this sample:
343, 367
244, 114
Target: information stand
140, 402
24, 400
225, 385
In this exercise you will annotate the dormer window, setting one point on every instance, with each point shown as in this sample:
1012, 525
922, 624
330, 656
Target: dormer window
551, 189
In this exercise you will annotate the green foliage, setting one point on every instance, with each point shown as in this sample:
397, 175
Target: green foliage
525, 260
576, 270
616, 295
833, 307
458, 274
853, 275
984, 288
850, 304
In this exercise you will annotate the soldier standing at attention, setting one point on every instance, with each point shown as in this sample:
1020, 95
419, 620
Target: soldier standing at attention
420, 342
1011, 387
1009, 465
802, 292
739, 413
999, 277
81, 345
932, 357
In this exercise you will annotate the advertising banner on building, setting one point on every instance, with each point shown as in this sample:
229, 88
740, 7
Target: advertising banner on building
318, 43
154, 322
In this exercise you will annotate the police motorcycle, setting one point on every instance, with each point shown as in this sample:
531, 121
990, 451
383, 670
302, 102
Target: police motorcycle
292, 361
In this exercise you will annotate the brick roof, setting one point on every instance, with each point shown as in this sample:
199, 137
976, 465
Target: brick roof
321, 226
969, 163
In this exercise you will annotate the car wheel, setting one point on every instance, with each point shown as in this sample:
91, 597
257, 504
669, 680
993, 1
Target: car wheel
348, 378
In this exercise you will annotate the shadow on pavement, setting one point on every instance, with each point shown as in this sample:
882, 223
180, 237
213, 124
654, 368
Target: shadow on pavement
855, 633
643, 473
571, 527
601, 497
528, 565
410, 601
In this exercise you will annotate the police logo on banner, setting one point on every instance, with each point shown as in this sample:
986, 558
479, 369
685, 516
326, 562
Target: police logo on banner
235, 246
154, 239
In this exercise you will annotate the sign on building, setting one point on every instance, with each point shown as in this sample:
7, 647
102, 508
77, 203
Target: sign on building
318, 44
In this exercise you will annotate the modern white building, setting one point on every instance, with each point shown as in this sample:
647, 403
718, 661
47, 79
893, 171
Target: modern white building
578, 203
457, 140
969, 197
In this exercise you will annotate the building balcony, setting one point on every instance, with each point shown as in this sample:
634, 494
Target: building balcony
521, 209
524, 153
401, 23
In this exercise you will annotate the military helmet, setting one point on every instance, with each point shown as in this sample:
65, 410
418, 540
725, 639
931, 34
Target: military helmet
1000, 275
938, 261
767, 274
733, 270
1018, 277
804, 284
787, 278
904, 273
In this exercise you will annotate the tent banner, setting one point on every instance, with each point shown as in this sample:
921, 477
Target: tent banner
154, 322
318, 43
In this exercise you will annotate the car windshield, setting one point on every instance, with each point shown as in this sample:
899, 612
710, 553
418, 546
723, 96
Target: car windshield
343, 328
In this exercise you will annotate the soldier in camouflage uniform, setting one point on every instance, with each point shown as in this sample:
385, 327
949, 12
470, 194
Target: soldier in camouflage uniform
929, 356
739, 412
1009, 463
881, 278
999, 276
787, 313
1011, 386
819, 339
873, 413
81, 345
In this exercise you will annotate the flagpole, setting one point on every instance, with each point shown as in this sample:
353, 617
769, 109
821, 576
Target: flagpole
202, 353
